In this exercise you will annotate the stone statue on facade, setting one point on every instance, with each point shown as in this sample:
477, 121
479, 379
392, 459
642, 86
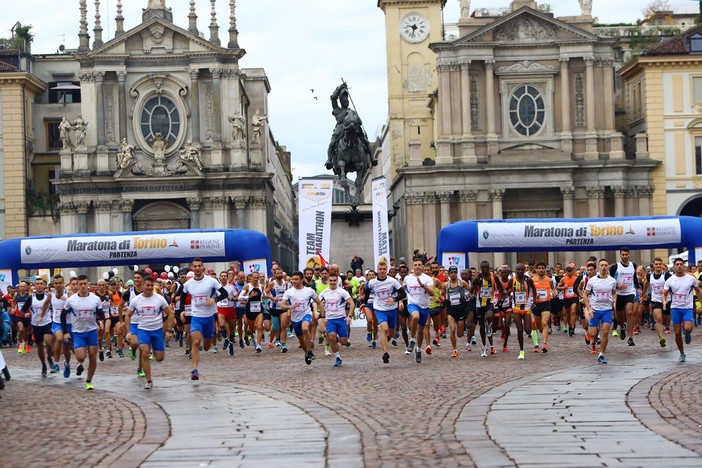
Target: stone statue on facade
349, 149
586, 7
126, 160
258, 121
465, 8
158, 144
189, 158
157, 4
65, 133
80, 127
238, 129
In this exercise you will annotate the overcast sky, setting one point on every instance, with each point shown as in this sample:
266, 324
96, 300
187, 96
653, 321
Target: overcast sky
303, 45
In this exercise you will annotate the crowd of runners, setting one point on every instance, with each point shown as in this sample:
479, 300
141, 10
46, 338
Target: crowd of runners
417, 307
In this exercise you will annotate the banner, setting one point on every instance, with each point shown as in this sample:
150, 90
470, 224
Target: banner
457, 259
69, 250
258, 265
598, 234
381, 243
315, 206
5, 280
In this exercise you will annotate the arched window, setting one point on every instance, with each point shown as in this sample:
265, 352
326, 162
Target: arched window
527, 111
160, 115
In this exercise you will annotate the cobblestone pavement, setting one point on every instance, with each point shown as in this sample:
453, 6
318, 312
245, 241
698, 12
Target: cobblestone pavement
442, 412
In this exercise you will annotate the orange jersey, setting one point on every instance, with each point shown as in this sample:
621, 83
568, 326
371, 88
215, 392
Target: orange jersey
569, 291
543, 288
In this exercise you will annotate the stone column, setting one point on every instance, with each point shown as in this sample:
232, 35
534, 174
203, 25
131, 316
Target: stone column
126, 207
568, 196
122, 106
82, 210
496, 196
619, 194
194, 205
467, 139
195, 105
590, 94
414, 233
220, 211
102, 216
240, 202
445, 197
68, 214
469, 211
490, 103
608, 69
566, 131
258, 214
645, 194
595, 205
217, 104
444, 70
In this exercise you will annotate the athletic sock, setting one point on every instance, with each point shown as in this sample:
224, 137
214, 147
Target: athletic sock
535, 337
337, 355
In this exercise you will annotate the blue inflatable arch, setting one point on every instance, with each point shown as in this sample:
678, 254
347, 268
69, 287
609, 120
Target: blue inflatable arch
575, 234
251, 248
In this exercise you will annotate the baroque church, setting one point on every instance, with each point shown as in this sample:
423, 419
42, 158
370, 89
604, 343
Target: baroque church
159, 127
514, 118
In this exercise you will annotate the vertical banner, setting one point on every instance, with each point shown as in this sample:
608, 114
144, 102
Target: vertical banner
457, 259
315, 206
381, 244
5, 280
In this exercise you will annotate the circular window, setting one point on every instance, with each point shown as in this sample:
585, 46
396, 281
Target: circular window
160, 115
527, 111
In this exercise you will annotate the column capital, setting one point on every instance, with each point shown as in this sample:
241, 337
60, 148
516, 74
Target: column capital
240, 201
489, 64
103, 206
444, 196
564, 61
595, 192
82, 206
126, 206
496, 194
99, 77
589, 60
216, 73
194, 73
619, 191
429, 197
122, 75
66, 208
645, 190
259, 201
194, 203
414, 198
468, 195
443, 67
464, 64
568, 192
219, 202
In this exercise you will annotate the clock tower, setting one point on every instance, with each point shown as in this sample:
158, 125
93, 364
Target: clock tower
410, 26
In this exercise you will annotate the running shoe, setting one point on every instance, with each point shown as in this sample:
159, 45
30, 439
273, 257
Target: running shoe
28, 348
241, 343
544, 349
661, 341
565, 329
418, 356
571, 331
412, 345
615, 333
682, 358
79, 369
187, 351
44, 370
320, 340
55, 368
66, 370
374, 344
536, 348
636, 331
454, 354
688, 337
22, 348
109, 354
194, 375
488, 329
230, 348
120, 353
473, 340
630, 341
484, 352
386, 358
258, 349
437, 342
622, 331
521, 356
50, 360
271, 345
89, 386
101, 355
469, 347
283, 348
593, 349
492, 350
505, 348
312, 356
132, 353
394, 342
308, 359
247, 342
214, 350
141, 373
149, 385
667, 330
368, 337
587, 340
225, 345
408, 351
327, 350
601, 359
427, 350
348, 344
277, 343
337, 362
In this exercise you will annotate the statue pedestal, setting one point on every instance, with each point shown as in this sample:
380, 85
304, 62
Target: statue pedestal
256, 161
591, 153
66, 161
216, 157
238, 159
160, 169
103, 161
80, 160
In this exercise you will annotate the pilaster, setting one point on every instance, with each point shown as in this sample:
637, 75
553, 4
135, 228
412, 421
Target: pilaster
126, 207
568, 193
194, 204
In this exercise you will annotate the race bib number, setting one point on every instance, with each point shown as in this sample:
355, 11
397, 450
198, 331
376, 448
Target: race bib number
114, 311
626, 279
455, 299
603, 296
382, 294
223, 303
485, 292
657, 289
680, 297
331, 307
520, 298
570, 292
188, 310
199, 300
84, 314
255, 306
541, 294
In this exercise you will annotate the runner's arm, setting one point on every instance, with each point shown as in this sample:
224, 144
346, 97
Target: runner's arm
46, 305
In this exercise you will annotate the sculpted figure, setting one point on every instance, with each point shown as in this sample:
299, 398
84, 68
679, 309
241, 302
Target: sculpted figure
158, 144
257, 123
65, 133
238, 128
80, 126
189, 157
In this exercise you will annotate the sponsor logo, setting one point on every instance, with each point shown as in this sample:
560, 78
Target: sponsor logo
486, 235
254, 268
28, 250
313, 262
454, 261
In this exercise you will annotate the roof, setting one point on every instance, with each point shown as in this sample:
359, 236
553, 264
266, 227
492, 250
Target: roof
677, 45
6, 67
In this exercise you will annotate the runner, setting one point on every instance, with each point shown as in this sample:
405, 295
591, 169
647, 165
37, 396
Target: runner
252, 298
135, 289
624, 272
402, 314
338, 310
318, 325
387, 292
205, 292
22, 320
56, 300
437, 313
102, 294
600, 296
297, 299
502, 316
566, 286
87, 318
653, 285
542, 307
680, 287
281, 319
150, 308
523, 294
240, 309
113, 325
420, 288
41, 324
486, 289
226, 315
455, 290
580, 283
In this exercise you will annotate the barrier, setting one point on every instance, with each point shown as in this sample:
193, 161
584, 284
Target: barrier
456, 240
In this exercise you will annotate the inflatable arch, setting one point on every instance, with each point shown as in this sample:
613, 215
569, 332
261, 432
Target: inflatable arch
577, 234
251, 248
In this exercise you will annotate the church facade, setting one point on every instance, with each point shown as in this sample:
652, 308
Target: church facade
522, 126
160, 128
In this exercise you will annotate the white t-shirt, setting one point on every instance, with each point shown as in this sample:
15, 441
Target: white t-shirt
384, 290
656, 285
299, 300
149, 310
228, 303
83, 311
681, 289
602, 289
415, 292
57, 304
625, 276
334, 302
35, 308
200, 291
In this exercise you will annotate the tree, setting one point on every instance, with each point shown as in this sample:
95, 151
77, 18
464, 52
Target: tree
654, 7
23, 36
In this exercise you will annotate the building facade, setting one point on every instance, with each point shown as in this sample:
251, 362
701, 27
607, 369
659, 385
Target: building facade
160, 128
523, 126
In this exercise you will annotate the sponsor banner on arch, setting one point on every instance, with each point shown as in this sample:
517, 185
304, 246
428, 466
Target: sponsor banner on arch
603, 233
315, 207
62, 250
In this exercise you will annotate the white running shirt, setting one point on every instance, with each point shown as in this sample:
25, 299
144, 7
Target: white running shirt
681, 288
200, 291
415, 293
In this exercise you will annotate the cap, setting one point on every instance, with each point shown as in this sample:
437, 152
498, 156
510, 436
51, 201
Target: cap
130, 283
569, 268
191, 274
453, 268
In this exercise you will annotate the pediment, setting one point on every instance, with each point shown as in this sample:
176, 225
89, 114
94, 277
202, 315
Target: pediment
158, 37
526, 26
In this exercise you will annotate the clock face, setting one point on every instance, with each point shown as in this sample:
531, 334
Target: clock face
414, 27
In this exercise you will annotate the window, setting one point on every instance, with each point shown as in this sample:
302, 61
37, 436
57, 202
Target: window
697, 89
160, 115
698, 156
696, 43
527, 111
53, 136
64, 92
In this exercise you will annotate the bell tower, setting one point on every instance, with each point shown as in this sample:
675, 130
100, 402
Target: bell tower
410, 26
